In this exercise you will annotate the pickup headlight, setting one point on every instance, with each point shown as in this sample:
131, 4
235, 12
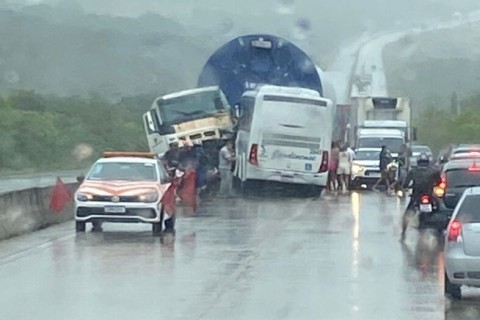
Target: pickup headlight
356, 169
83, 197
149, 197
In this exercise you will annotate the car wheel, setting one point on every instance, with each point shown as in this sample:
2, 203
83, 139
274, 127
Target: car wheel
453, 290
80, 226
157, 228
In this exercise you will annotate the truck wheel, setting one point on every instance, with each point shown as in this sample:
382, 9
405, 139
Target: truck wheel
80, 226
453, 290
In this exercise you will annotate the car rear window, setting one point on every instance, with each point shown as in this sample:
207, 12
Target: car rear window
421, 149
469, 211
462, 178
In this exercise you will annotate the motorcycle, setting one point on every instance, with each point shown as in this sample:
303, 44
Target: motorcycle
424, 210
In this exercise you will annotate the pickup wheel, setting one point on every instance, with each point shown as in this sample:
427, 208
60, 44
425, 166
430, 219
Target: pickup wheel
453, 290
80, 226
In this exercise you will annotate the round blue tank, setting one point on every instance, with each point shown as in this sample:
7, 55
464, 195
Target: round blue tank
252, 60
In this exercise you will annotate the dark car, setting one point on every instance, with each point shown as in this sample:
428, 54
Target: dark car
457, 176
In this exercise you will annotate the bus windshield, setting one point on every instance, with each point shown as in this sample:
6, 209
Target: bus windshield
191, 107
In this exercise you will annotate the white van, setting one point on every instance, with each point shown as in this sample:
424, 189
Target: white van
285, 135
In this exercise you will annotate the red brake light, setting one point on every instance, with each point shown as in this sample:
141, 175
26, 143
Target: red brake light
253, 157
474, 168
425, 200
324, 165
455, 231
440, 189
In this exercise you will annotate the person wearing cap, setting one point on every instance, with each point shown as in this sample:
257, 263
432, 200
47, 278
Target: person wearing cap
172, 156
225, 159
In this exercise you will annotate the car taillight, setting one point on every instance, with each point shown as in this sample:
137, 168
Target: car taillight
454, 231
324, 165
425, 200
440, 189
253, 157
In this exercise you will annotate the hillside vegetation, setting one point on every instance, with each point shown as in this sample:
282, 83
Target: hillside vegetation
440, 71
43, 132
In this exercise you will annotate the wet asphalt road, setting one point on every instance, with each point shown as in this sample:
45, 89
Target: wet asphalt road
280, 257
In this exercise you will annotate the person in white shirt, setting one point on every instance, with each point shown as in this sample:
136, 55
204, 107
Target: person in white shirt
352, 157
344, 168
225, 159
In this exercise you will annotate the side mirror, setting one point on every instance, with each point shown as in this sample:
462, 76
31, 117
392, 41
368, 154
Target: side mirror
238, 113
80, 178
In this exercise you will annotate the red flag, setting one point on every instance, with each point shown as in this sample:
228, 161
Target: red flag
61, 195
188, 190
168, 199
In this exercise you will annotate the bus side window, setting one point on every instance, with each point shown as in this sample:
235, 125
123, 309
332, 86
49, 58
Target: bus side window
247, 105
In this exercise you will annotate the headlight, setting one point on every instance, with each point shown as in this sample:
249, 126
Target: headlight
83, 197
149, 197
356, 169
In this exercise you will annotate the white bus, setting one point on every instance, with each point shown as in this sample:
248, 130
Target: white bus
196, 114
284, 135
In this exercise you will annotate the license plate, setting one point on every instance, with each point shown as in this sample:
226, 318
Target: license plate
115, 210
425, 208
286, 178
373, 174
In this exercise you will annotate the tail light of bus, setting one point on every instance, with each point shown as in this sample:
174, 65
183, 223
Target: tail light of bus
455, 231
253, 157
324, 165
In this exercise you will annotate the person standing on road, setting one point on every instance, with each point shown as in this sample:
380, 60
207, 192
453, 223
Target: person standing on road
343, 171
333, 167
352, 156
225, 159
385, 159
171, 158
201, 165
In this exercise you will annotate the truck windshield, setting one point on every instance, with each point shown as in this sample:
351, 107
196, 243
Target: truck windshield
191, 107
393, 144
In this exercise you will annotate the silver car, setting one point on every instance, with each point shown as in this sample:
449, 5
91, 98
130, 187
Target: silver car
462, 245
